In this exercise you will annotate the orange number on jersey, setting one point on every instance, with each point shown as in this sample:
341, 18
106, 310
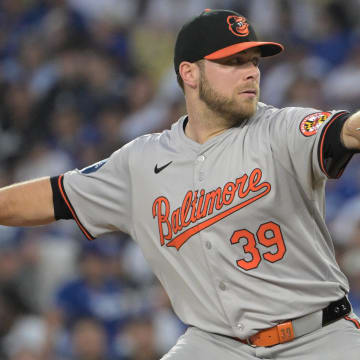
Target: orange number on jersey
249, 248
268, 234
275, 238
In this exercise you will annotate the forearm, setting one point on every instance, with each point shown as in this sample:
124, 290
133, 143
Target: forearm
350, 134
26, 204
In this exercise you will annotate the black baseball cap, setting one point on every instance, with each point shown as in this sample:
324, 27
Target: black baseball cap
216, 34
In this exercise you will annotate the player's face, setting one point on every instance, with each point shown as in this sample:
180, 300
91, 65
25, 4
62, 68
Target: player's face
230, 86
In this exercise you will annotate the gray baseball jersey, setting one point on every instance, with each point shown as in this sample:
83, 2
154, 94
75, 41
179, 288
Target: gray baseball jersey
233, 228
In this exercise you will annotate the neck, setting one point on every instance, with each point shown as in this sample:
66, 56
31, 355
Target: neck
203, 124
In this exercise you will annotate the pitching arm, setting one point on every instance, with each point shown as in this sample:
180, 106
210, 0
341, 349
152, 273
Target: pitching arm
28, 203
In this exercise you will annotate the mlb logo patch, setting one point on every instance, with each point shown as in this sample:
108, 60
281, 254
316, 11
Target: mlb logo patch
94, 167
311, 123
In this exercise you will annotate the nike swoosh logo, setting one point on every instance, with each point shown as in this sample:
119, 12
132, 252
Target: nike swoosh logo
157, 170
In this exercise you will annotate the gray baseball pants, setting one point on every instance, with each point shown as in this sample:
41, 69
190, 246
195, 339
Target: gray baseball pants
337, 341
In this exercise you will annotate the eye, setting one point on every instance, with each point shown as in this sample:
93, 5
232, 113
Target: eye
240, 61
235, 61
256, 61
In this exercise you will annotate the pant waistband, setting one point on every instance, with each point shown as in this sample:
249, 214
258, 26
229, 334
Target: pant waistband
292, 329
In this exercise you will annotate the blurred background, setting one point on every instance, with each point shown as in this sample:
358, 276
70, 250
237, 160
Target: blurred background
78, 79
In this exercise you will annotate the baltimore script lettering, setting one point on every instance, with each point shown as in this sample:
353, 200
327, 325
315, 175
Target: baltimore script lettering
198, 205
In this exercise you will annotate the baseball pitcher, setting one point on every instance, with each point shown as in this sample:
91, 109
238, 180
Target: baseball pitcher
227, 206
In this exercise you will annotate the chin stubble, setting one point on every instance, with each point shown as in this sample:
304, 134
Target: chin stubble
227, 108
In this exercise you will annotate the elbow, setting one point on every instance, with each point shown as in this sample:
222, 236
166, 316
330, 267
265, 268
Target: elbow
350, 134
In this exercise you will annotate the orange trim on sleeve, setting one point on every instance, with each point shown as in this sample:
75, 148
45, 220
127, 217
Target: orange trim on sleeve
63, 194
322, 144
355, 321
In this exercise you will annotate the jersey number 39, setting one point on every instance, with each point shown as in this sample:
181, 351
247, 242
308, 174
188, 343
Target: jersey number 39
268, 235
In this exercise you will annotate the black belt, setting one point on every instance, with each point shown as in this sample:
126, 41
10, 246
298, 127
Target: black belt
336, 310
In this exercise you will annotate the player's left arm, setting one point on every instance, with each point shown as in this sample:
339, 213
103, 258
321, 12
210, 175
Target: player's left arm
350, 133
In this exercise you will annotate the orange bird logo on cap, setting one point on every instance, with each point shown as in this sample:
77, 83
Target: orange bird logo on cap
238, 25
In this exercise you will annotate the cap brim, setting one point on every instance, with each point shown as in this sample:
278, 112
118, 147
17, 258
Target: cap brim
266, 48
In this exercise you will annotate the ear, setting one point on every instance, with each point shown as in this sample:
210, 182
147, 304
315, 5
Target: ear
190, 73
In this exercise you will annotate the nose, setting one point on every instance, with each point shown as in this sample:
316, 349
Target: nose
252, 72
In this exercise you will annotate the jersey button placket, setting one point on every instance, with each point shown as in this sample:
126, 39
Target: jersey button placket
200, 173
222, 285
240, 326
199, 176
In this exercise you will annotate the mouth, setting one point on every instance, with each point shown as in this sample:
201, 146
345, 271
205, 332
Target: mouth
249, 92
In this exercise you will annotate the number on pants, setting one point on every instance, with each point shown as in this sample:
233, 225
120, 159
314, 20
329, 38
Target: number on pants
268, 234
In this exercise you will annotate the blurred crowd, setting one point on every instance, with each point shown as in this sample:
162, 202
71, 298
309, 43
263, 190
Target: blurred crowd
80, 78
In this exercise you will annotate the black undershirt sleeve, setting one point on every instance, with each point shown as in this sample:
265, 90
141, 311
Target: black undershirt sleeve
61, 210
332, 154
